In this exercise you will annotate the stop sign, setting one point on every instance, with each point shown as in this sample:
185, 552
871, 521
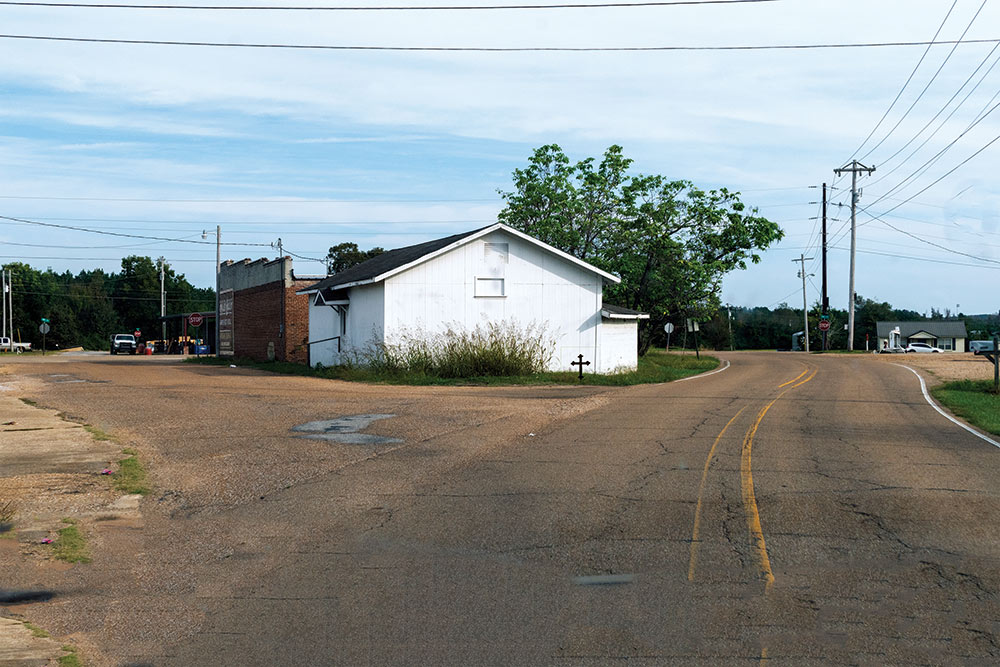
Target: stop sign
824, 325
195, 319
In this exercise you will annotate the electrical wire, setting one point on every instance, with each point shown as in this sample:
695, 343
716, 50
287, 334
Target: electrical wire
129, 236
496, 49
374, 8
943, 122
941, 67
254, 201
907, 83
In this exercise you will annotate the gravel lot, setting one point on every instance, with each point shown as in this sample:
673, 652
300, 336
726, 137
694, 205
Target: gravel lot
944, 367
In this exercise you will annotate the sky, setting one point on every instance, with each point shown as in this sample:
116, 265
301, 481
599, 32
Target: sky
390, 148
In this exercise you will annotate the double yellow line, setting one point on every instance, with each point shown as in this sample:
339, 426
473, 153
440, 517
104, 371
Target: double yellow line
746, 479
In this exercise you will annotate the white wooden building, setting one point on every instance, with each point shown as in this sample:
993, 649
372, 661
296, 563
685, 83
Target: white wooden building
491, 275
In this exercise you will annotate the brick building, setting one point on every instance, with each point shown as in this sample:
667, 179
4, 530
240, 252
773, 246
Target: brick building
261, 316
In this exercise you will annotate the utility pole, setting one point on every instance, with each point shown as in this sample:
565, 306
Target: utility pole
825, 300
805, 313
218, 263
3, 281
729, 312
854, 168
163, 304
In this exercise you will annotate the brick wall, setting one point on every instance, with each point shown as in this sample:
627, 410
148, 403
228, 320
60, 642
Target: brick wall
257, 321
297, 322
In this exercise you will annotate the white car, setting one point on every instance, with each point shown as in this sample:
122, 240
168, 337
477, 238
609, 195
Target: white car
922, 347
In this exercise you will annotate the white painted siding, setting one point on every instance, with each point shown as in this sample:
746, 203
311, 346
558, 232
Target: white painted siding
365, 318
539, 288
322, 324
619, 346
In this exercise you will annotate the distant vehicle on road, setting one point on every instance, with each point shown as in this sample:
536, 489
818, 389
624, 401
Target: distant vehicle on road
895, 349
123, 343
980, 346
7, 345
922, 347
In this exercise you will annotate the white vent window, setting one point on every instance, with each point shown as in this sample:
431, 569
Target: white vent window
490, 287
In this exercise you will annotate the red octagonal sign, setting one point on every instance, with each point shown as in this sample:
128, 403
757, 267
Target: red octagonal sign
195, 319
824, 325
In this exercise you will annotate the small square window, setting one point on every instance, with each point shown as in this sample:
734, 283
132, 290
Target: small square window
489, 287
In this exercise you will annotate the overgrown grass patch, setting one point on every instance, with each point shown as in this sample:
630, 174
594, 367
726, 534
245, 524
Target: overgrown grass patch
97, 433
37, 631
973, 401
655, 366
71, 545
71, 659
131, 476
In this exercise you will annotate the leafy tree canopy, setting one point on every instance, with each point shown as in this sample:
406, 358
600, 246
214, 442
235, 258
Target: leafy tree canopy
669, 241
345, 255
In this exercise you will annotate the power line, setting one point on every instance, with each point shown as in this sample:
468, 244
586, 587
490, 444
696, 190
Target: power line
124, 235
283, 222
497, 49
946, 119
255, 201
941, 67
400, 8
908, 79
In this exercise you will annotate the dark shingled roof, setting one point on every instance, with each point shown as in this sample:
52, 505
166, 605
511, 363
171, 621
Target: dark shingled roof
618, 310
938, 328
387, 261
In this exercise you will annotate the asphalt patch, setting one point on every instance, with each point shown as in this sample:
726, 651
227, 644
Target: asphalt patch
346, 430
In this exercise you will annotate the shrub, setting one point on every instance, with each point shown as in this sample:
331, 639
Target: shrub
491, 350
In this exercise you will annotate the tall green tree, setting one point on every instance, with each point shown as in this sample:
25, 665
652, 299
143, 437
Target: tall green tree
669, 241
345, 255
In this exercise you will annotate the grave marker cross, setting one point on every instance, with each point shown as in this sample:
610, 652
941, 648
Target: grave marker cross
581, 363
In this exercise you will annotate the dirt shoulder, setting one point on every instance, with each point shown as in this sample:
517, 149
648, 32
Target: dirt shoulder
944, 367
51, 483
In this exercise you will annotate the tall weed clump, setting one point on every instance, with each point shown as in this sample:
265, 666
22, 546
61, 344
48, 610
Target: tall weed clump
490, 350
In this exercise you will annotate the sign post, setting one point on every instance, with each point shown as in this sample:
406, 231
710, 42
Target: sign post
692, 326
669, 328
44, 328
195, 320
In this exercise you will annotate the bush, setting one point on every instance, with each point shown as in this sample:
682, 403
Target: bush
491, 350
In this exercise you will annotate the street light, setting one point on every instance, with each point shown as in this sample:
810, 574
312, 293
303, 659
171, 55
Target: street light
218, 262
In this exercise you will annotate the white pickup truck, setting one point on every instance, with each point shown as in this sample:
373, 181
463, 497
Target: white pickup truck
7, 345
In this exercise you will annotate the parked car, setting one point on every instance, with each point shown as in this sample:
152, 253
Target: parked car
7, 345
895, 349
922, 347
123, 343
980, 346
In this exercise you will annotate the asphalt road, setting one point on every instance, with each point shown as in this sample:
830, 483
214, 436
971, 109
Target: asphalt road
792, 509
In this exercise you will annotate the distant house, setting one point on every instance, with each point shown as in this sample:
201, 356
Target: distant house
261, 315
491, 275
945, 334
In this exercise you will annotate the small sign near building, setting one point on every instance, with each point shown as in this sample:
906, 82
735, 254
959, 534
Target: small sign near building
195, 319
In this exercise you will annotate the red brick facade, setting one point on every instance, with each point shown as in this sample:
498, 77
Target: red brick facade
257, 317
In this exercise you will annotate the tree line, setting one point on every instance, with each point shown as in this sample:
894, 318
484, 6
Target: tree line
761, 328
87, 308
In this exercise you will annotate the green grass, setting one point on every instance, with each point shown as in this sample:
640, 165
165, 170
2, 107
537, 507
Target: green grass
973, 401
131, 476
98, 434
71, 659
36, 631
71, 545
655, 366
28, 401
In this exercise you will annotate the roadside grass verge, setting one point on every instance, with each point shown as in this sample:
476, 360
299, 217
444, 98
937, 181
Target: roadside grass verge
28, 401
131, 476
71, 659
37, 631
71, 545
97, 434
655, 366
973, 401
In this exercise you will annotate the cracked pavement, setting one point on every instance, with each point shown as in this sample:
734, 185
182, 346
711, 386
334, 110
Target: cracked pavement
465, 544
